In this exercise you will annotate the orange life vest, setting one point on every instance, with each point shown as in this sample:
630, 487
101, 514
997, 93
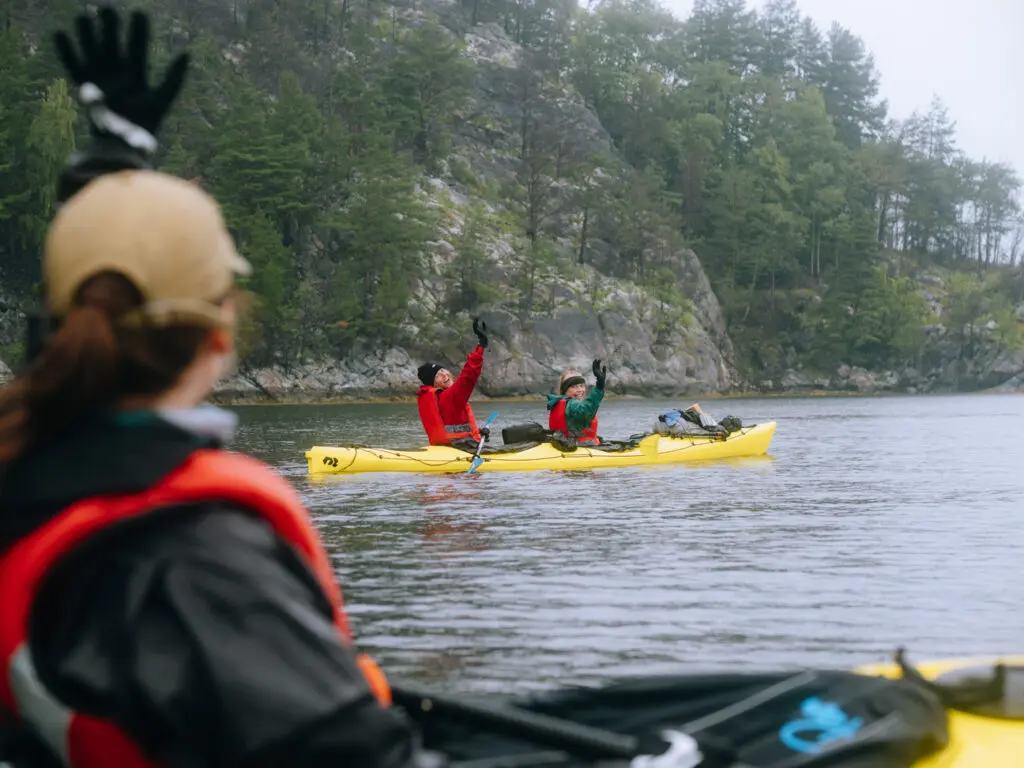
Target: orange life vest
82, 740
557, 423
439, 433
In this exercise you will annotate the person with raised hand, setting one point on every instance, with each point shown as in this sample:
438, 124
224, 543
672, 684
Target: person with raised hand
163, 601
443, 400
573, 410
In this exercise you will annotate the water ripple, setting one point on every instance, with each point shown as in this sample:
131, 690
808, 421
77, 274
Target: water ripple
874, 523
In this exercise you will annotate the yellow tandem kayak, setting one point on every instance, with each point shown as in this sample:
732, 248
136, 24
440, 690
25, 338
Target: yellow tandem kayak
975, 741
651, 450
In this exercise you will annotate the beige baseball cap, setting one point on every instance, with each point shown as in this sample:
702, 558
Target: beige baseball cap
165, 234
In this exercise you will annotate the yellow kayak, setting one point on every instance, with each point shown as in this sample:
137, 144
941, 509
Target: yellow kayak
652, 450
974, 740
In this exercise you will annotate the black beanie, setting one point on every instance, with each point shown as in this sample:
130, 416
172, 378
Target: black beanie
571, 382
427, 372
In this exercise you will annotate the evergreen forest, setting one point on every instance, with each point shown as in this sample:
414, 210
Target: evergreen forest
378, 197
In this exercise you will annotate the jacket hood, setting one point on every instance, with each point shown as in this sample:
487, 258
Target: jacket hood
553, 399
424, 388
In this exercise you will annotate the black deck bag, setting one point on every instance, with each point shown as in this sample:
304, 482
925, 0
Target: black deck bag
530, 432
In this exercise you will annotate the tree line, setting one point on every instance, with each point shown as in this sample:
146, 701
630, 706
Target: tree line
756, 138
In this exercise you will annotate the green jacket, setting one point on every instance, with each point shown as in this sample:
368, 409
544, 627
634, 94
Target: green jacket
579, 413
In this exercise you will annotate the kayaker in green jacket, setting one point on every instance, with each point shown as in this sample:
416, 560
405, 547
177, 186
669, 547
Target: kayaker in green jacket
573, 409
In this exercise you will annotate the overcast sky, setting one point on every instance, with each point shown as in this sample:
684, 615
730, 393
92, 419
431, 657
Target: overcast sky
969, 52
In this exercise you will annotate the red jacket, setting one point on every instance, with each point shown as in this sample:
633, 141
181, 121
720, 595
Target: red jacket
84, 739
452, 403
557, 423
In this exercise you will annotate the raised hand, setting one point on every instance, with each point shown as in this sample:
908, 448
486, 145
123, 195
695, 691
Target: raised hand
113, 82
480, 329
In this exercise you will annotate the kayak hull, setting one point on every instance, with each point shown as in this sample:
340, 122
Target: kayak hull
440, 459
973, 740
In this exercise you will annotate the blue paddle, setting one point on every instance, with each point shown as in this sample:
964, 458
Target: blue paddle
477, 461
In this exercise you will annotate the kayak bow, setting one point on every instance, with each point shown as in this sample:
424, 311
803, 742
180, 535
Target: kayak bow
975, 740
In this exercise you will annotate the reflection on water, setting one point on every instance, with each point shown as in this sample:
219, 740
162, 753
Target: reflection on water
873, 523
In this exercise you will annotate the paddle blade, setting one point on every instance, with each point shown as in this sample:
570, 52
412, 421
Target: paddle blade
477, 461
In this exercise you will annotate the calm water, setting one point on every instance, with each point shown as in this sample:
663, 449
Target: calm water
873, 523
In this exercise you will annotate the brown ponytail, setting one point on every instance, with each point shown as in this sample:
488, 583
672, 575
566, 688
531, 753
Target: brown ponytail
90, 364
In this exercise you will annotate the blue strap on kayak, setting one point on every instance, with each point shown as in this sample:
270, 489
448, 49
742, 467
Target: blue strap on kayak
477, 460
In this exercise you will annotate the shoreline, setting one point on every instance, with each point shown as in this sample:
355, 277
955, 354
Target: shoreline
235, 401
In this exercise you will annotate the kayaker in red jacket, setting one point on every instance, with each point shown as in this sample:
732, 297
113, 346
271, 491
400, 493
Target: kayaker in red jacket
443, 402
163, 601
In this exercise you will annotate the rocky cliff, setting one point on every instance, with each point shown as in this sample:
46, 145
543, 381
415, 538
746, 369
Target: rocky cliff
523, 358
662, 333
650, 346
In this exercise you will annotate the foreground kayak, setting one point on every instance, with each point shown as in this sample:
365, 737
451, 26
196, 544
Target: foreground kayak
654, 449
873, 717
974, 740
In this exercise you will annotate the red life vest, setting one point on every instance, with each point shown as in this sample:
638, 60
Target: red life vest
82, 740
439, 433
557, 423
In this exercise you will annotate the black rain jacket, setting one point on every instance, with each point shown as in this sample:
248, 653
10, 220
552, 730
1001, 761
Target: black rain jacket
198, 630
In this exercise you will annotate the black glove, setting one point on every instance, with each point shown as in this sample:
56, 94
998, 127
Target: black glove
113, 83
480, 329
124, 112
485, 432
600, 373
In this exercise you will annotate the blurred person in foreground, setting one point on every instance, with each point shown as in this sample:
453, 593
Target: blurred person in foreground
162, 601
